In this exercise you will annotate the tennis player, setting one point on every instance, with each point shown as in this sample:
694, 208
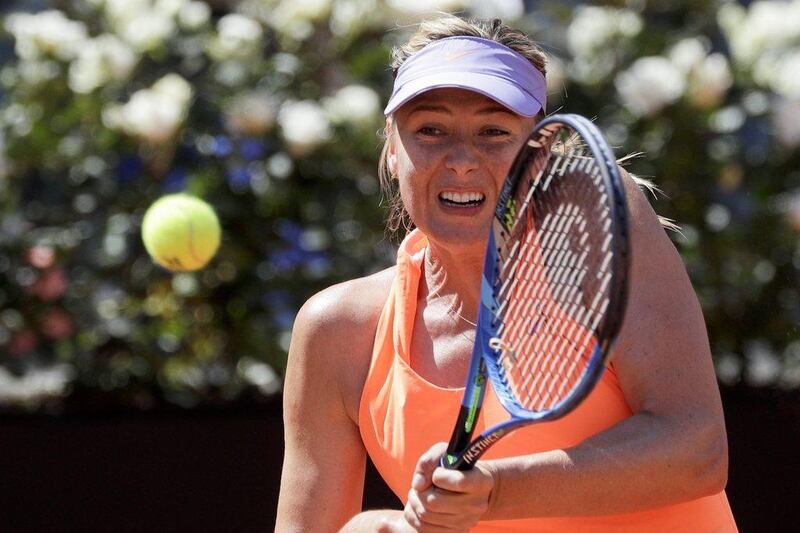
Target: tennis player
377, 364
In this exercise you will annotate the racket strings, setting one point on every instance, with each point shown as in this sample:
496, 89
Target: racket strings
554, 276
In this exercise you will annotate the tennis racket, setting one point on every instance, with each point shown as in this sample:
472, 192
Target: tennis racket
554, 284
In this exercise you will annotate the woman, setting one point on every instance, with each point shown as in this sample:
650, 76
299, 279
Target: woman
376, 364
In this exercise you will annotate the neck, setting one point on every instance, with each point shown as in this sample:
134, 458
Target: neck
455, 277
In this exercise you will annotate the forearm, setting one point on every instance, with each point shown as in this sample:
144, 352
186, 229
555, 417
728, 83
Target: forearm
382, 521
643, 462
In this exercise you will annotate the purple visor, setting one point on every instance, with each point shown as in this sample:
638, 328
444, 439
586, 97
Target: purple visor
475, 64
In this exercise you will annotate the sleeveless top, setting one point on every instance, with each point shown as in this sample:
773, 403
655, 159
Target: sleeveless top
401, 415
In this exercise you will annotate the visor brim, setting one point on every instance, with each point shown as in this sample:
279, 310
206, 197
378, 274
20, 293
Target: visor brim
504, 92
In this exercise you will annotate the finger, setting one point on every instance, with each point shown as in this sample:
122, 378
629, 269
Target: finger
419, 513
440, 501
450, 480
426, 464
469, 481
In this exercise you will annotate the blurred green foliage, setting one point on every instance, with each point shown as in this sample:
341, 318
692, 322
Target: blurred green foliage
269, 109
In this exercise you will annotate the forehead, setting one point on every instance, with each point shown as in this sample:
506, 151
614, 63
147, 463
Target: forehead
454, 100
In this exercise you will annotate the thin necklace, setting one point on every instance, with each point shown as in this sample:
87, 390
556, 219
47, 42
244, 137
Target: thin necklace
452, 313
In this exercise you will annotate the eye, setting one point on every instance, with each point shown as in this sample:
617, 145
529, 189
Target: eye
494, 132
430, 131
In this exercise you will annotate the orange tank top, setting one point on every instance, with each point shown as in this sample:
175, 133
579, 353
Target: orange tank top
401, 415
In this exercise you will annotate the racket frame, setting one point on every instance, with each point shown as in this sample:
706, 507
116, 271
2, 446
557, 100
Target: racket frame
462, 452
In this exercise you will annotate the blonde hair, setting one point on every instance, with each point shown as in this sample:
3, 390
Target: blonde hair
428, 32
452, 26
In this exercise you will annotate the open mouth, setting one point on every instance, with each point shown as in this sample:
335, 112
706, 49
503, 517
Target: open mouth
462, 199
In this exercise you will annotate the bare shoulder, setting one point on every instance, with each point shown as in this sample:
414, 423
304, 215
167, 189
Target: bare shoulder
347, 312
662, 355
656, 262
352, 303
643, 217
333, 335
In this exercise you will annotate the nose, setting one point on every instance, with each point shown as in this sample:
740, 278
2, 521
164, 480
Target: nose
462, 158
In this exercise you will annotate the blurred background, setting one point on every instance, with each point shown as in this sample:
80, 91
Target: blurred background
130, 394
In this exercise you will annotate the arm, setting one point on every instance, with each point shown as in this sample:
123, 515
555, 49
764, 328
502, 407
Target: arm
324, 461
674, 446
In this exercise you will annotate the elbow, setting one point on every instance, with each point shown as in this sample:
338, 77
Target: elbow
710, 464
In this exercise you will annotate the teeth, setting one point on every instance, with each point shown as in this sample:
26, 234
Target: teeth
462, 197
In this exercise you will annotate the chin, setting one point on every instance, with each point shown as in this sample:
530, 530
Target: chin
457, 236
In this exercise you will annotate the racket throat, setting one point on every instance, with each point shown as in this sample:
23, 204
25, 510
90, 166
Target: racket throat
467, 459
465, 425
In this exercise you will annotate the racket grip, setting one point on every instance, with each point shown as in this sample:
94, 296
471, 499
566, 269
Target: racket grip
457, 463
461, 436
467, 459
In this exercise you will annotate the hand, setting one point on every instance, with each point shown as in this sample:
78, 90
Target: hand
447, 500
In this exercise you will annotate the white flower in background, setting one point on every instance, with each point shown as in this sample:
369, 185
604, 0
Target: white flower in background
426, 7
46, 33
144, 24
763, 364
780, 73
502, 9
169, 8
295, 18
155, 114
304, 125
708, 75
174, 87
121, 9
259, 374
251, 113
593, 36
593, 28
35, 384
101, 60
307, 9
351, 16
786, 122
355, 104
650, 84
688, 53
764, 39
727, 120
728, 368
194, 15
38, 72
710, 81
145, 30
237, 36
764, 27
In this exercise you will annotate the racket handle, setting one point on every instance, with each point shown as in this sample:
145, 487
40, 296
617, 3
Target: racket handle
456, 464
452, 459
469, 411
467, 459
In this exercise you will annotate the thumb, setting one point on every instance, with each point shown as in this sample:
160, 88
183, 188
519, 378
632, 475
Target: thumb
427, 463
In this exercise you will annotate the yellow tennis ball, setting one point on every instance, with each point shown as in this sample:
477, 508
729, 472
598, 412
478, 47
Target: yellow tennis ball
181, 232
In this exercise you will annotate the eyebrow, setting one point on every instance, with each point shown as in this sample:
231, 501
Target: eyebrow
430, 107
497, 108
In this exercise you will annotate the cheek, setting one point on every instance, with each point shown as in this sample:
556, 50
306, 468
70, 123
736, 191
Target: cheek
410, 193
500, 163
412, 175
